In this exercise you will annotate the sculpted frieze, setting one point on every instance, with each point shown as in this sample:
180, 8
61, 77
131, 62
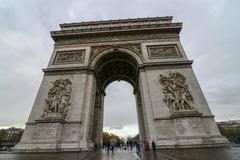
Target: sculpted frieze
113, 38
67, 57
58, 100
176, 92
163, 51
133, 47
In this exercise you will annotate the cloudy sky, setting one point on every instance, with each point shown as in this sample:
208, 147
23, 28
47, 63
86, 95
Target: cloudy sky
210, 37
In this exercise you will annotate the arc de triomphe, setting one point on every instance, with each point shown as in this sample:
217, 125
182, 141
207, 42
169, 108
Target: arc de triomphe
67, 114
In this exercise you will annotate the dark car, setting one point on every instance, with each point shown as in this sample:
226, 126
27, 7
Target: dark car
4, 148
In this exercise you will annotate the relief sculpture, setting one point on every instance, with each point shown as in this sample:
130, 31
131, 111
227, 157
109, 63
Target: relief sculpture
164, 51
176, 92
58, 99
133, 47
68, 57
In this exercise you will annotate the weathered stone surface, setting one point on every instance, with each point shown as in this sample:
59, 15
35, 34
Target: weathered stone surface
163, 51
172, 109
66, 57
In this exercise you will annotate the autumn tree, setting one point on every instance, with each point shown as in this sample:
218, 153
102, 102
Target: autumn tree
3, 135
111, 137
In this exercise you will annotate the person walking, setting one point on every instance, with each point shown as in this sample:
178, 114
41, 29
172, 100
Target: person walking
153, 147
112, 146
127, 145
137, 144
108, 146
122, 146
147, 145
95, 146
131, 145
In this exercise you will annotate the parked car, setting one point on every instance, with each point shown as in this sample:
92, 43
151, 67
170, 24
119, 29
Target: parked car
4, 148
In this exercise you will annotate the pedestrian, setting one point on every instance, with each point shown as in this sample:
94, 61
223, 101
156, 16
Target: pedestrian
103, 145
112, 146
108, 146
95, 146
137, 147
131, 144
147, 145
153, 146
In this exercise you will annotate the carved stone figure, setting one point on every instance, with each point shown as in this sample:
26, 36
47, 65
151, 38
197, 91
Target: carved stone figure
133, 47
68, 57
163, 51
176, 92
58, 98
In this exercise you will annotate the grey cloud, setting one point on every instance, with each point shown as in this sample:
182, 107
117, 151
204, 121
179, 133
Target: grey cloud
120, 105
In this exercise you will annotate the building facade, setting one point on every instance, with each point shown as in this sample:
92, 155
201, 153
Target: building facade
67, 114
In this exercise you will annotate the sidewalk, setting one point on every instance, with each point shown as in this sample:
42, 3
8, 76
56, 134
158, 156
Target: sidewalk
119, 154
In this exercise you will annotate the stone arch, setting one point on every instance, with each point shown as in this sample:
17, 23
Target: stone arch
124, 78
94, 60
116, 64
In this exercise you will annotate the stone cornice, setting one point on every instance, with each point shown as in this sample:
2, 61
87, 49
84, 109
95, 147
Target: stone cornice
67, 70
174, 117
130, 21
144, 66
115, 38
167, 65
65, 122
174, 28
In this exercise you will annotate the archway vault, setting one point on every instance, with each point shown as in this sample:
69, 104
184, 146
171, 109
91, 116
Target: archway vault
116, 65
111, 65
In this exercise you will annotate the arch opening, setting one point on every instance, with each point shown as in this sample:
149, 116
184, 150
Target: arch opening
120, 114
116, 66
113, 66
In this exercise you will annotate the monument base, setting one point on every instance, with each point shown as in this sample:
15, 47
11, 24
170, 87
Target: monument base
192, 142
51, 147
192, 130
46, 135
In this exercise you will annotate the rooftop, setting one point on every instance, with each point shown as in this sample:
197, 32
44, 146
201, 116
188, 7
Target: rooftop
147, 20
119, 26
